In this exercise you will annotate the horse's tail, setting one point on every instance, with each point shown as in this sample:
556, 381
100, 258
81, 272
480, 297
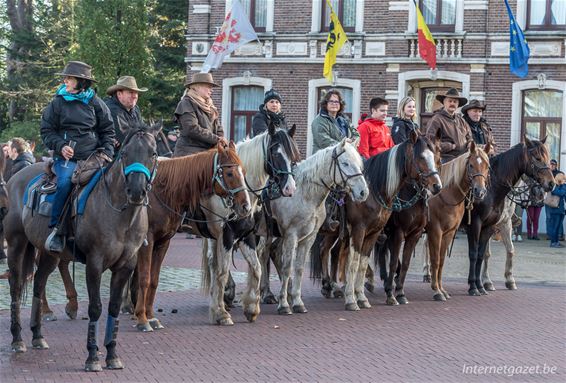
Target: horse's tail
316, 258
380, 259
205, 270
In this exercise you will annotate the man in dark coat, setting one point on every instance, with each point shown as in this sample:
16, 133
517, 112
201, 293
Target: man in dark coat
122, 102
20, 155
269, 110
473, 115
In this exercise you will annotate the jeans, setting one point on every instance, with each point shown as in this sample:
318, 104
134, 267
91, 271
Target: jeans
533, 214
555, 221
64, 187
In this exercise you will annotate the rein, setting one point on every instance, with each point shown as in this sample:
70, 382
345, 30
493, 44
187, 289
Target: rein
344, 177
218, 177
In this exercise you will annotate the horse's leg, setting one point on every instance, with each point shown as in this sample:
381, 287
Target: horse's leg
487, 283
21, 256
219, 265
359, 288
288, 254
157, 258
145, 254
506, 233
394, 243
325, 246
46, 313
335, 268
426, 261
45, 267
298, 268
128, 305
446, 242
352, 267
483, 243
250, 299
93, 276
435, 239
72, 306
473, 243
267, 296
408, 249
118, 281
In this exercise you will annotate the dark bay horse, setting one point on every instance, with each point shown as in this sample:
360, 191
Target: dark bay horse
3, 201
529, 157
108, 235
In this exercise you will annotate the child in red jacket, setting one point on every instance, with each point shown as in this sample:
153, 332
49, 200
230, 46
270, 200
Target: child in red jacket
375, 136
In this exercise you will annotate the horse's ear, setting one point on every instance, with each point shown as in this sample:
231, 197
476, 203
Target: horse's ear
544, 139
488, 148
291, 131
343, 142
526, 140
232, 145
472, 146
413, 136
271, 128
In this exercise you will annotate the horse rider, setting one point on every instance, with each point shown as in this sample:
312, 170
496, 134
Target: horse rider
404, 122
122, 101
75, 124
454, 132
473, 115
198, 118
269, 110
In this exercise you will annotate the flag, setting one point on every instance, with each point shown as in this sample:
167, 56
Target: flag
235, 32
336, 38
519, 51
427, 46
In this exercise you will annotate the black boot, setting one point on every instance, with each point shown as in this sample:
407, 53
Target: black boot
55, 243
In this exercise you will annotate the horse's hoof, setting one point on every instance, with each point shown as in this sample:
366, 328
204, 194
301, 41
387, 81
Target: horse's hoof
511, 285
426, 279
364, 304
352, 307
19, 347
482, 291
144, 327
269, 299
93, 366
284, 310
391, 301
300, 309
489, 286
156, 324
71, 312
114, 364
251, 316
225, 322
39, 344
473, 293
49, 317
402, 300
127, 309
439, 297
338, 293
369, 287
327, 293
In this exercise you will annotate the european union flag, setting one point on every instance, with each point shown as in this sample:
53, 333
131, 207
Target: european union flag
519, 51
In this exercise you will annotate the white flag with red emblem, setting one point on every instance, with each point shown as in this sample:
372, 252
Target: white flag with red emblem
235, 32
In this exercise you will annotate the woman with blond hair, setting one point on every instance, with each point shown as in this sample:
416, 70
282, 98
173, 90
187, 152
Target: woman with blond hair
404, 121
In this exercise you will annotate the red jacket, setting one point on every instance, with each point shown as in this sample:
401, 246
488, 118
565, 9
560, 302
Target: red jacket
375, 138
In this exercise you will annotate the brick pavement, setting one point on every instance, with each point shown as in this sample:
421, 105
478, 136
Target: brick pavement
424, 341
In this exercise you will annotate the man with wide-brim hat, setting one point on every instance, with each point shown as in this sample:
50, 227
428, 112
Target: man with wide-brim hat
197, 117
450, 126
473, 115
122, 102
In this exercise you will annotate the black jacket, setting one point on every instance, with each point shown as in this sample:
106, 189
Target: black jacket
260, 122
23, 160
124, 120
401, 129
89, 125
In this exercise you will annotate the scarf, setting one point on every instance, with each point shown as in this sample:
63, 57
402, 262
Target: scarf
205, 104
477, 131
85, 96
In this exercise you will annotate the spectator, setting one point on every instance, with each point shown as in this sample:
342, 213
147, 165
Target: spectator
557, 213
534, 208
554, 169
8, 161
21, 155
172, 136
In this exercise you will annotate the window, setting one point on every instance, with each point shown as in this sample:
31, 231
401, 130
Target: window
257, 10
245, 103
546, 14
542, 116
347, 96
346, 12
439, 15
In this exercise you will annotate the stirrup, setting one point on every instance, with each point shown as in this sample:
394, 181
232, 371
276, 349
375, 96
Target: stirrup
55, 243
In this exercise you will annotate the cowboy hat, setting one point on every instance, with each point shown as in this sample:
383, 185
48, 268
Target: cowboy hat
201, 78
77, 69
473, 104
125, 82
452, 93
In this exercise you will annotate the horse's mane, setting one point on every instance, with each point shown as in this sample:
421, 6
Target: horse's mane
383, 171
505, 165
182, 180
250, 152
288, 144
452, 171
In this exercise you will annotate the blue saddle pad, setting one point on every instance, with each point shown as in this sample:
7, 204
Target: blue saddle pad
86, 190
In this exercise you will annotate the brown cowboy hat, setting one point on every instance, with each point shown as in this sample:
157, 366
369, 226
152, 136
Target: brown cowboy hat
125, 82
77, 69
201, 78
452, 93
473, 104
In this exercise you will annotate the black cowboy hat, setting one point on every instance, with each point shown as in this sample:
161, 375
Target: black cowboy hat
473, 104
452, 93
77, 69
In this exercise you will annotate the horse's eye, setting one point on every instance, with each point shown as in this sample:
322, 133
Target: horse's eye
230, 174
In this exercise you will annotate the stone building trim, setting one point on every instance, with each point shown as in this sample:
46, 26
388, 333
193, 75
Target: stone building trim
428, 75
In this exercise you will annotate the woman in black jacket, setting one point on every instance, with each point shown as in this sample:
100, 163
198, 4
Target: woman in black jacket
269, 110
74, 125
404, 122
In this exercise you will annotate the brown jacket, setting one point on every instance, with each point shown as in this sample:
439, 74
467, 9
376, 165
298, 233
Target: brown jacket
198, 131
454, 134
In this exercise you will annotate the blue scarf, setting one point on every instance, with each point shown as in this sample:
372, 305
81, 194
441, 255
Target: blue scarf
85, 96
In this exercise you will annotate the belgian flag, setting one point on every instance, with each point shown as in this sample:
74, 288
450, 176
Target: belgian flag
427, 46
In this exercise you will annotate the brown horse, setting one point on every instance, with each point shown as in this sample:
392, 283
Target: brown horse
465, 180
3, 201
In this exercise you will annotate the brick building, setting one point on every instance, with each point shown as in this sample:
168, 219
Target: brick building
381, 59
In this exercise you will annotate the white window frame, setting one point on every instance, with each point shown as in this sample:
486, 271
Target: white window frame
227, 85
425, 75
317, 16
269, 17
517, 111
459, 23
355, 85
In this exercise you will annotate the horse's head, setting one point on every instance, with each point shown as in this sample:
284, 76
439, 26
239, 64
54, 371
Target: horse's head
138, 158
347, 170
538, 163
280, 157
477, 170
229, 181
425, 163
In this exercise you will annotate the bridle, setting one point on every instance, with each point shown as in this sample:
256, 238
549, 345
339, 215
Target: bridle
218, 177
335, 164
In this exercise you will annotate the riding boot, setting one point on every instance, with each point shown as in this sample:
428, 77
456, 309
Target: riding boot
55, 242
